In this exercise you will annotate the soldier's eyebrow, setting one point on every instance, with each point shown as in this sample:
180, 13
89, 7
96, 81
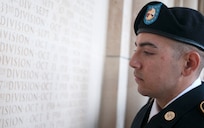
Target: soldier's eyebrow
143, 44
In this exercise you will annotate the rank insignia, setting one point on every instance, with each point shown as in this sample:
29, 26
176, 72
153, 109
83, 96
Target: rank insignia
152, 13
170, 115
202, 106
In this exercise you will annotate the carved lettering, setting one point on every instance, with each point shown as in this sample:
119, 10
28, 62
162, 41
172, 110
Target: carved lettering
11, 122
22, 74
13, 37
15, 49
45, 53
15, 25
14, 61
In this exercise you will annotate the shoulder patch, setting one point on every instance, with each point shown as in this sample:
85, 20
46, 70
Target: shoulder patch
152, 13
202, 106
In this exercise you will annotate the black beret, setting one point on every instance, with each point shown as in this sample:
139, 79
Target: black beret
178, 23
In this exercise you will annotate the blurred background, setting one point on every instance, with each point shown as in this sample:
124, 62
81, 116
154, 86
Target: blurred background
64, 63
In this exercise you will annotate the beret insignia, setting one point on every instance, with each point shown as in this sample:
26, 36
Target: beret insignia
152, 13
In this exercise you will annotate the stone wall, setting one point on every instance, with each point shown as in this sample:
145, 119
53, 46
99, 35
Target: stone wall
51, 62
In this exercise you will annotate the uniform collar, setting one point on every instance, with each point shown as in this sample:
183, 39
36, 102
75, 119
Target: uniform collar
195, 84
179, 107
155, 109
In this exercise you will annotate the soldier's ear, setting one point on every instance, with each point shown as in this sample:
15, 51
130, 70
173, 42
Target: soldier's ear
191, 63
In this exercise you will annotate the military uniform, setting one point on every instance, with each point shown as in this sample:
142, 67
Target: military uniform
178, 23
186, 26
185, 112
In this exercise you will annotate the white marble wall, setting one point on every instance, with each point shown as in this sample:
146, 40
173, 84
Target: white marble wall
51, 62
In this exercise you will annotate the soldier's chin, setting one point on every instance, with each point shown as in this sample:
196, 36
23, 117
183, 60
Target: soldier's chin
142, 91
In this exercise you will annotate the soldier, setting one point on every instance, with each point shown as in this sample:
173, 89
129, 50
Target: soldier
167, 63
